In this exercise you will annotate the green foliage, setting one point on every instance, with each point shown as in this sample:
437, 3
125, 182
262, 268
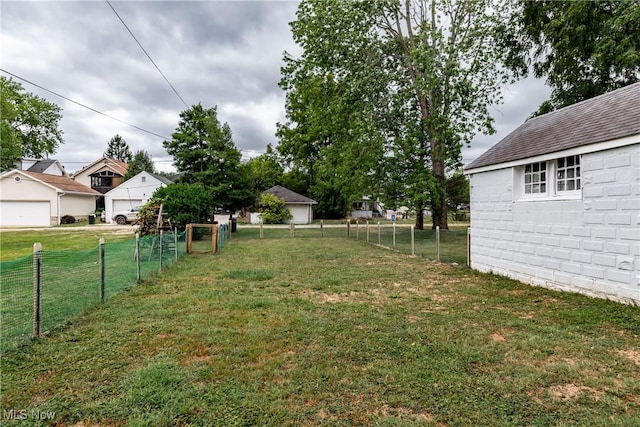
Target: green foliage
457, 190
266, 171
273, 209
185, 203
140, 162
118, 149
28, 125
583, 49
387, 80
203, 150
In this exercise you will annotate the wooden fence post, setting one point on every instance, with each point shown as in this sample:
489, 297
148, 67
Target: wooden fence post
367, 231
214, 238
378, 232
189, 238
437, 243
321, 228
348, 228
37, 288
261, 230
413, 240
394, 236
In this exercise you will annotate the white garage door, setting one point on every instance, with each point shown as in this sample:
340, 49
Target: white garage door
125, 205
299, 214
26, 214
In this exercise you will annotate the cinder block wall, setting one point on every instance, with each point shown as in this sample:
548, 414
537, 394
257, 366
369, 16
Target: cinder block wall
591, 245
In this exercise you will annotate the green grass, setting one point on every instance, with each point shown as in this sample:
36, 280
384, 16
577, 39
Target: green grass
332, 332
19, 243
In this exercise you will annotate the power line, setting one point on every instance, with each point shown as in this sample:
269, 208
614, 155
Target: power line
84, 106
145, 52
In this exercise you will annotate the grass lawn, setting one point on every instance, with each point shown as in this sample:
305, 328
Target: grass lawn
332, 332
19, 243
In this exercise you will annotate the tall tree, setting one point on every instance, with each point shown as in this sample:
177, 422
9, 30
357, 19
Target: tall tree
28, 125
118, 149
582, 48
204, 151
422, 75
141, 161
266, 170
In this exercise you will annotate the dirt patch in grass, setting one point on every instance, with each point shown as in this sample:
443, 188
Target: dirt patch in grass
572, 392
633, 355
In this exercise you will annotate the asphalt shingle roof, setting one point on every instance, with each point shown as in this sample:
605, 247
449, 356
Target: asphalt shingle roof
289, 196
603, 118
63, 183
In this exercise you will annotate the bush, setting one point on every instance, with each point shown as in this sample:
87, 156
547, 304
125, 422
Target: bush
67, 219
274, 210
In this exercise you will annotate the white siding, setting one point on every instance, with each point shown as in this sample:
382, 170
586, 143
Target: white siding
589, 245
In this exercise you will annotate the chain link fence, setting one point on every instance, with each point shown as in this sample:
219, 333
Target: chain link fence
45, 290
449, 246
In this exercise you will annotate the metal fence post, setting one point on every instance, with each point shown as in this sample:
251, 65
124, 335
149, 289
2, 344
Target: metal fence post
469, 246
160, 249
438, 243
413, 240
138, 256
37, 287
101, 252
321, 228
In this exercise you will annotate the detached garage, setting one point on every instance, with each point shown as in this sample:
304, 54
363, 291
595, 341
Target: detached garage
31, 199
301, 207
135, 191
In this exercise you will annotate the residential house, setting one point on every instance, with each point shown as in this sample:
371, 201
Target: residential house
556, 203
103, 175
30, 199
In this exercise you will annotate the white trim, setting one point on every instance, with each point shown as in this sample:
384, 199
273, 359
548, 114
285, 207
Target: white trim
585, 149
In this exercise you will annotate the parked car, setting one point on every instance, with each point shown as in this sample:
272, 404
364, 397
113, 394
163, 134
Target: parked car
125, 217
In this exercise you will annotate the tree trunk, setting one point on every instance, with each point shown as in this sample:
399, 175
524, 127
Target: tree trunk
419, 225
439, 201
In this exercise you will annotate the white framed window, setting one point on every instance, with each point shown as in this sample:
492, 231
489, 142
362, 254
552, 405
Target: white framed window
548, 180
535, 178
568, 174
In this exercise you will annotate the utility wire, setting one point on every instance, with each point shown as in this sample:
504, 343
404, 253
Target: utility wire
84, 106
145, 52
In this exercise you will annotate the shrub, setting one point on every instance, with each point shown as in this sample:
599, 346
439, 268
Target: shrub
274, 210
67, 219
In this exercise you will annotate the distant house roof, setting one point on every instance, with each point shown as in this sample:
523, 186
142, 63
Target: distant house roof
289, 196
61, 183
42, 165
164, 179
607, 117
116, 165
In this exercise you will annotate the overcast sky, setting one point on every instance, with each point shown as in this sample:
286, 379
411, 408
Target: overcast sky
224, 53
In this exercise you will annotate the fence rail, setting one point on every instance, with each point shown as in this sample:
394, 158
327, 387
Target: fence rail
45, 290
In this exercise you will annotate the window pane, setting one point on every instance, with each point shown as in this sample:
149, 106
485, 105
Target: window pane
570, 173
560, 185
577, 184
527, 188
543, 188
527, 179
571, 185
561, 174
527, 168
535, 178
543, 176
561, 163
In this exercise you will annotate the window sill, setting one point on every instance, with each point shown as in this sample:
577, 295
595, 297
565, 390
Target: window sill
546, 198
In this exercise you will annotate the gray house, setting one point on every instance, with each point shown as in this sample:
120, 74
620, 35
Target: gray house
557, 202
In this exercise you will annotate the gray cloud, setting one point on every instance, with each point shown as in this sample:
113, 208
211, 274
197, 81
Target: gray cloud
224, 53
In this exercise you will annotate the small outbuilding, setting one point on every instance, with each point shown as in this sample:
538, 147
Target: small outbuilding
29, 199
301, 207
135, 191
556, 203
